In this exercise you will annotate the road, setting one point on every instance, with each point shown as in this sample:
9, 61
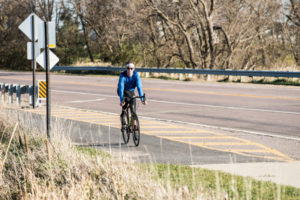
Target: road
255, 114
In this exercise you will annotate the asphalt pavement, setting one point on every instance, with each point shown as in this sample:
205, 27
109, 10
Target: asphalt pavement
250, 130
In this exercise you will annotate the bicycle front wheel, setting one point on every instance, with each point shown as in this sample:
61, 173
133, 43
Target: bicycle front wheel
136, 131
126, 129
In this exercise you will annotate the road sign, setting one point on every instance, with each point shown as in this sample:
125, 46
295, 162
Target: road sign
42, 90
41, 59
29, 50
26, 26
51, 34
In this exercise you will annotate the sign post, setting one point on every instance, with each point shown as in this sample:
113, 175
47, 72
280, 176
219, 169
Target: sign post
29, 27
33, 61
47, 59
47, 79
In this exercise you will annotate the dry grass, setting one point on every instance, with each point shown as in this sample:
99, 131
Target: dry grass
66, 172
92, 64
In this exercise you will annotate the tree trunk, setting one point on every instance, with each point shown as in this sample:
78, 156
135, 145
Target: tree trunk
86, 40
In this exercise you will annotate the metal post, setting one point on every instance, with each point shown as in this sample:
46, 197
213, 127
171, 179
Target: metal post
11, 92
37, 95
2, 91
48, 103
18, 94
30, 88
33, 61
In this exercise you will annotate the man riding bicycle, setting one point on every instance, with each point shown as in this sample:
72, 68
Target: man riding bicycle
128, 81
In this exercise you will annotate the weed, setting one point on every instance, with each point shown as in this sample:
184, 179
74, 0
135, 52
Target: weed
227, 185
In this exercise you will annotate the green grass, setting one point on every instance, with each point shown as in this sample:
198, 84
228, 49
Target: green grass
277, 82
164, 78
219, 183
92, 151
268, 82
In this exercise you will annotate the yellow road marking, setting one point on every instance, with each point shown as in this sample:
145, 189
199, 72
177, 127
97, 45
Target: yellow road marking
178, 131
90, 116
274, 151
109, 123
78, 113
72, 114
75, 112
224, 143
266, 157
101, 120
162, 127
208, 145
38, 111
281, 157
148, 122
251, 150
200, 137
52, 111
83, 115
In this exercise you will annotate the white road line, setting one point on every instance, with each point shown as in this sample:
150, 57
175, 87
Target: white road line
84, 101
84, 93
227, 107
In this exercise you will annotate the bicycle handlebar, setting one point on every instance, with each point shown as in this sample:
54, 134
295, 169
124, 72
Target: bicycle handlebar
136, 97
144, 96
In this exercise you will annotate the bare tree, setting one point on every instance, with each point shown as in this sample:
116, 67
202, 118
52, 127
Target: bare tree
292, 28
294, 12
43, 8
111, 24
239, 34
13, 43
247, 25
190, 24
79, 11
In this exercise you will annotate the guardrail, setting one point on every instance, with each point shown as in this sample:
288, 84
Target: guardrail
11, 89
283, 74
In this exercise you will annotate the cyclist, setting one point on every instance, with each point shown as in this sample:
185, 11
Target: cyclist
128, 81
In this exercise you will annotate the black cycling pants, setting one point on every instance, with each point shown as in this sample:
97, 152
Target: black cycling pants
127, 95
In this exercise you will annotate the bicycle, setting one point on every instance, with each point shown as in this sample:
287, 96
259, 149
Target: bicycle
132, 124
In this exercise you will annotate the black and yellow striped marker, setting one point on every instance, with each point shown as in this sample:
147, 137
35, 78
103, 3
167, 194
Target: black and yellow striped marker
42, 89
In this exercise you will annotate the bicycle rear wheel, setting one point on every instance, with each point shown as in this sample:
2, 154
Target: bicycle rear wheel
126, 129
136, 131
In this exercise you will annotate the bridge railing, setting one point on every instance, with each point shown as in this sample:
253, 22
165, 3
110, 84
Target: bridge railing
283, 74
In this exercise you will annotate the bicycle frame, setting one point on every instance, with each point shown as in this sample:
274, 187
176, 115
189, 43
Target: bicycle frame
130, 100
132, 124
129, 103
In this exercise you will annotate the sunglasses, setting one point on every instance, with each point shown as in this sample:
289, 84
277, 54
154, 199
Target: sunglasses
131, 68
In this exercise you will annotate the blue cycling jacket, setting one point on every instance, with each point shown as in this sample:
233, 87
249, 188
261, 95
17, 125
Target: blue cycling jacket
129, 84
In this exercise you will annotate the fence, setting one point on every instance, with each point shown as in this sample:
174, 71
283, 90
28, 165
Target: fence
18, 90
